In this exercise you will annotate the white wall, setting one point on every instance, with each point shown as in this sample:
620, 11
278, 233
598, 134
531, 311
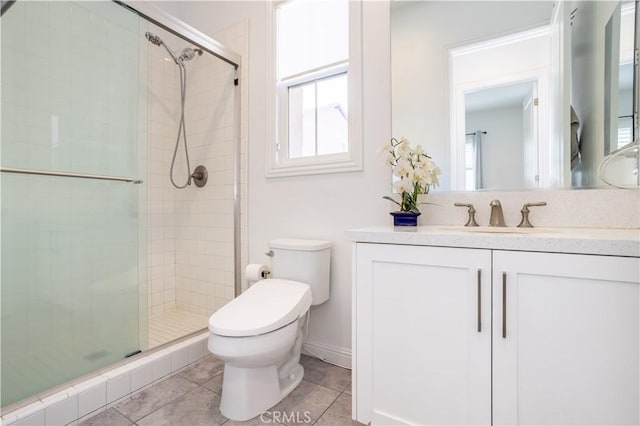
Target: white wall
321, 206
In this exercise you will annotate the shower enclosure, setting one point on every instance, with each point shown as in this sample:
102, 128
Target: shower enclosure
101, 256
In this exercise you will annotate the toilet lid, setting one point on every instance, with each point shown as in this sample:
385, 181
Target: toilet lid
266, 306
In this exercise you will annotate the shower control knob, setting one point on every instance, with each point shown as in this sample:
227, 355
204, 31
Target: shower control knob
200, 176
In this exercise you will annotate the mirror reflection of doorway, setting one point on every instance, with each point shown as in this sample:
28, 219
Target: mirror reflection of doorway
511, 72
501, 137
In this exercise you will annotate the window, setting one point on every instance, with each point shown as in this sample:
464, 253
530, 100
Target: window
312, 86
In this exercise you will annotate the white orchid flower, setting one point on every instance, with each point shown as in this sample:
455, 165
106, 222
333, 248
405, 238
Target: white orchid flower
402, 186
416, 171
419, 174
403, 168
428, 179
403, 148
390, 159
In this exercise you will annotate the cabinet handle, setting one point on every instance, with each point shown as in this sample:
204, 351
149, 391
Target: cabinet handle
479, 300
504, 305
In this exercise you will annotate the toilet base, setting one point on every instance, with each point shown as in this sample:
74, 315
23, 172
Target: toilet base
248, 392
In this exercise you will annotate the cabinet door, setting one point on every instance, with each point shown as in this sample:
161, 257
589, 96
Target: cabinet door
567, 351
422, 335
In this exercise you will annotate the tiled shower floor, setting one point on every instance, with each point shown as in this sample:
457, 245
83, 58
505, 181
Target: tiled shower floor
174, 324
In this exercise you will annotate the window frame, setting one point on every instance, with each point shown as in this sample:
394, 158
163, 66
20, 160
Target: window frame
278, 161
282, 89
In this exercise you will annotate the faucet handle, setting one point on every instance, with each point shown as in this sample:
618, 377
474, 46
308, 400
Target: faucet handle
472, 214
524, 223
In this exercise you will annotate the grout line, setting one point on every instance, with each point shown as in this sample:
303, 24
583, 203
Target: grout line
327, 409
160, 407
115, 407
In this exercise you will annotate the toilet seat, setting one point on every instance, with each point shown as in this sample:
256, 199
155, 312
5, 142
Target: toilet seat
266, 306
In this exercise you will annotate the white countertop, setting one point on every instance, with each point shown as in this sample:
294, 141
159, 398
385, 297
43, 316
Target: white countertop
612, 242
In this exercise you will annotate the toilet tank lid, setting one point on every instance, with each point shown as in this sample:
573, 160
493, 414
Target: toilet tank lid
266, 306
299, 244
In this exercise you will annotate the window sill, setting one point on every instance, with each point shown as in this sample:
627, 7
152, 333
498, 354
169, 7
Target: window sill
313, 166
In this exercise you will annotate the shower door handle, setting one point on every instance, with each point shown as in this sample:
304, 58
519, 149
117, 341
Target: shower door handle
69, 175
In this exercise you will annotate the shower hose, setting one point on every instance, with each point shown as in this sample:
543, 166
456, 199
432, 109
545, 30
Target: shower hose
182, 129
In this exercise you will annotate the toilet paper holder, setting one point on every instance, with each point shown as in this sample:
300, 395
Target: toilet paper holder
256, 272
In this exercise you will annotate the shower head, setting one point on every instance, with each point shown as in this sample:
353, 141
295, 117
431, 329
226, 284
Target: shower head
189, 53
186, 55
153, 39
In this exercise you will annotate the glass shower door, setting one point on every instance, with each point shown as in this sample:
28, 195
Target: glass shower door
71, 244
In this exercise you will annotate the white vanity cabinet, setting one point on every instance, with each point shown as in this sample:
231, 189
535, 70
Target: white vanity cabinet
566, 339
436, 343
420, 358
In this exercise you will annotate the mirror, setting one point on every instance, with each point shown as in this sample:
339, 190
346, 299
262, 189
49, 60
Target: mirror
618, 75
622, 156
512, 94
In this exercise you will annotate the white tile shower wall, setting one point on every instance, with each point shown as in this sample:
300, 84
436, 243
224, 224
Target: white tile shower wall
204, 216
236, 37
190, 239
163, 114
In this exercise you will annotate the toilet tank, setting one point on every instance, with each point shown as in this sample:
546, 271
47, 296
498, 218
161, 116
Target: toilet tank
306, 261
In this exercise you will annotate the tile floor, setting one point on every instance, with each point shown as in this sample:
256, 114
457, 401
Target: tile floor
192, 398
173, 324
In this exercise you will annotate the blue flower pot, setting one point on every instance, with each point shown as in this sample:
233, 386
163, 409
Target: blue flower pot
405, 218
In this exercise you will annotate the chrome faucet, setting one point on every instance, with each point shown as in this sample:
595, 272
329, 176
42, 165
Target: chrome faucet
497, 217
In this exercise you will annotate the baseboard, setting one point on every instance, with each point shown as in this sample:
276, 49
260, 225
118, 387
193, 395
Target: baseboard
331, 354
380, 418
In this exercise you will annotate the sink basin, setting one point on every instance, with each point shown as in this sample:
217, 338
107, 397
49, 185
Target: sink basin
492, 230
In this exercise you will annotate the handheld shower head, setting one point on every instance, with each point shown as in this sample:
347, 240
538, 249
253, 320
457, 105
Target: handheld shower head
154, 39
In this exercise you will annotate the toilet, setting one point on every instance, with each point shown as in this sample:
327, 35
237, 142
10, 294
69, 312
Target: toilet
259, 334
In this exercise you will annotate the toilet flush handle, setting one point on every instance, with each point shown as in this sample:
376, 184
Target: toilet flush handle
269, 253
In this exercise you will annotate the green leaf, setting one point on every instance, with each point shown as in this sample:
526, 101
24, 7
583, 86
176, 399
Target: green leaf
386, 197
